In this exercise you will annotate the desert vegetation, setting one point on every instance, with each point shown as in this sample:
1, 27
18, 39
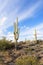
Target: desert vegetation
27, 60
26, 54
5, 44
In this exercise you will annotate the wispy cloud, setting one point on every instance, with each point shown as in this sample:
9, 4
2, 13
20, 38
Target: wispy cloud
3, 5
27, 13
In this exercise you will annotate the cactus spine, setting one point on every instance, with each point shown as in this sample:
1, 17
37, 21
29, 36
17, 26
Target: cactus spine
16, 32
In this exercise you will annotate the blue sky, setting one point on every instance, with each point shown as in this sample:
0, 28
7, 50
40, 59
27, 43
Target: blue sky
30, 17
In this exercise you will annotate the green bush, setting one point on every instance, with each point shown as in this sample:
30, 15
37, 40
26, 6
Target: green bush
5, 44
27, 60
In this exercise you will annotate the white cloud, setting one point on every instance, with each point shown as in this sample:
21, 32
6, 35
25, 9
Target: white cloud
2, 20
10, 36
28, 33
2, 24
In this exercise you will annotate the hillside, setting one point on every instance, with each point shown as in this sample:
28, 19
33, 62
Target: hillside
9, 56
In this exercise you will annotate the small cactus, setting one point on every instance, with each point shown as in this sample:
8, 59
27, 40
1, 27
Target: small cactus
16, 32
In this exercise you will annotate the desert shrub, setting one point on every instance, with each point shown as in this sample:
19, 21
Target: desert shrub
28, 50
27, 60
5, 44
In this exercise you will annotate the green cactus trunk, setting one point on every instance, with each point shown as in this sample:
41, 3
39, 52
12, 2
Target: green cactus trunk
16, 45
35, 36
16, 32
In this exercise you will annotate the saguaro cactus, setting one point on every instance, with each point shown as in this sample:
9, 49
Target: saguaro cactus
35, 35
16, 32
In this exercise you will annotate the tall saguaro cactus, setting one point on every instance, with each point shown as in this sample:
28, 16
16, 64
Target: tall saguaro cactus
35, 35
16, 32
